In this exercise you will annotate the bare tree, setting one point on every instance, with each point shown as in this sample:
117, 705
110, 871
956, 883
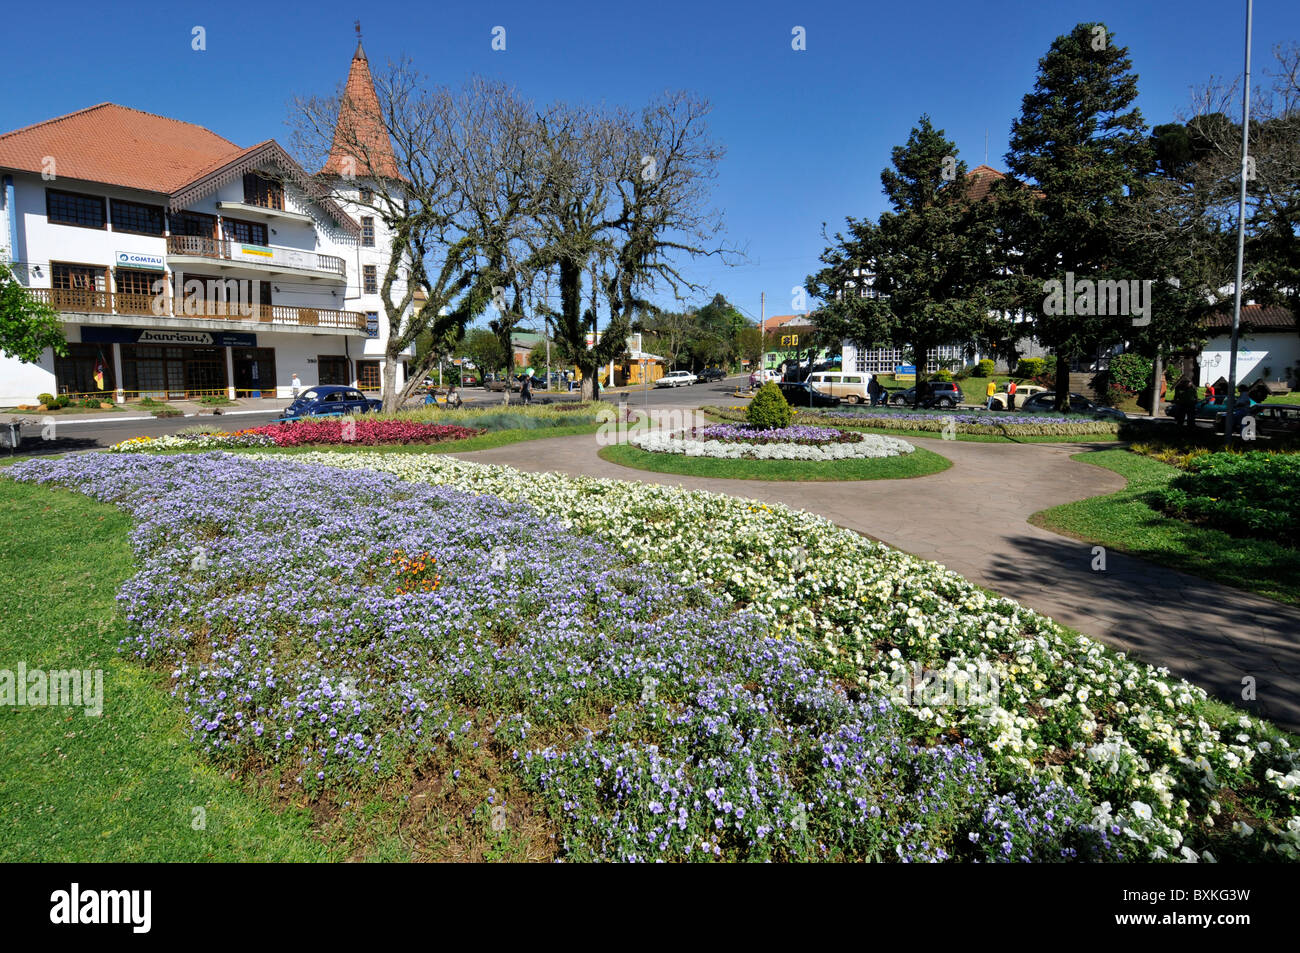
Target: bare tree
448, 176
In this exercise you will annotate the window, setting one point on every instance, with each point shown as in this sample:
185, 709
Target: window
370, 281
136, 218
246, 233
194, 224
333, 370
77, 277
263, 192
372, 324
136, 293
367, 197
367, 231
368, 375
129, 282
71, 208
74, 373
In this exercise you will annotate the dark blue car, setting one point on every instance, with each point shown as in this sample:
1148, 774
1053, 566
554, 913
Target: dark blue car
330, 400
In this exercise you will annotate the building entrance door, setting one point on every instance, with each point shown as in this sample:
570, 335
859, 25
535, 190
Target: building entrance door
333, 370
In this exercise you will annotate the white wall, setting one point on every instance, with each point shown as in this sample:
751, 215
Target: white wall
1277, 352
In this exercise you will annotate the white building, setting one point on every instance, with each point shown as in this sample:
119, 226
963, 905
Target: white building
183, 265
1268, 348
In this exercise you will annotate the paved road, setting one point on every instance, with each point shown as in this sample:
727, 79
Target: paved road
972, 518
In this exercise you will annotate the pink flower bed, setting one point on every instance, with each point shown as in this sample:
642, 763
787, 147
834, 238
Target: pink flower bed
364, 431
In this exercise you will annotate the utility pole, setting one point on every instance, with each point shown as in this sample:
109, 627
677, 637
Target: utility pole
1230, 405
762, 334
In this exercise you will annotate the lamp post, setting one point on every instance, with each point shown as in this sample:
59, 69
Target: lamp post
1230, 404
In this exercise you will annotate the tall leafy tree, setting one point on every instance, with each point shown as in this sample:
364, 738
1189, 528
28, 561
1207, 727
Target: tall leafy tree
920, 276
27, 326
1082, 144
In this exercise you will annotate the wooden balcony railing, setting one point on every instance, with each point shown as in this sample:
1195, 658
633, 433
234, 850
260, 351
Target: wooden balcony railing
292, 258
104, 302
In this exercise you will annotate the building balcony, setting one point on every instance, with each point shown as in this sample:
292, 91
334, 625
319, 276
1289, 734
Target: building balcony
175, 312
225, 253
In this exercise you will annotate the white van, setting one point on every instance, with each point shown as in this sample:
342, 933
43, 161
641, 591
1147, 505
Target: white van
846, 385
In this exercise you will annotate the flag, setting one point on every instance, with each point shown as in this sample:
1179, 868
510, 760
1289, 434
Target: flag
99, 372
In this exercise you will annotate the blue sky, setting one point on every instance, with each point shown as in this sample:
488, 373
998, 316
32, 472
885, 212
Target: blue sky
806, 133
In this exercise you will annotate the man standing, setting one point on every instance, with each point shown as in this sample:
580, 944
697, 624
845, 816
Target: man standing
989, 391
295, 385
1011, 395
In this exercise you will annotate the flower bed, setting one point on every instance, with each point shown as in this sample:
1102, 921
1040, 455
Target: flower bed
385, 628
362, 431
744, 442
975, 424
1244, 494
1141, 747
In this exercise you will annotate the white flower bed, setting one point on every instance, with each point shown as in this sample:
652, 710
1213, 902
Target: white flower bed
869, 447
1144, 747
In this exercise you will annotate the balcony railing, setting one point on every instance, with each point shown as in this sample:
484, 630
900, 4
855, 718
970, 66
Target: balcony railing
224, 249
105, 302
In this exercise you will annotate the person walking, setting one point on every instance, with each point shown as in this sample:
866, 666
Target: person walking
526, 391
1011, 395
989, 391
1184, 408
295, 385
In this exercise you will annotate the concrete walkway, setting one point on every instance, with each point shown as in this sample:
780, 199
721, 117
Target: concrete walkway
972, 518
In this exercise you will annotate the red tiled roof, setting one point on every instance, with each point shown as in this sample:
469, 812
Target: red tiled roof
116, 145
779, 320
360, 136
1269, 317
980, 179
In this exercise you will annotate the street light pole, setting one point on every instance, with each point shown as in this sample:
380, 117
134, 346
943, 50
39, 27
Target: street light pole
1230, 404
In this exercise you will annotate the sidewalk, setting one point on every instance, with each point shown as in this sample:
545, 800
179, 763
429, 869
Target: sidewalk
972, 518
190, 408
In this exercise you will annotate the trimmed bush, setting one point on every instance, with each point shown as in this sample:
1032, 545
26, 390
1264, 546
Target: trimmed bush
46, 399
769, 408
1030, 367
941, 376
985, 368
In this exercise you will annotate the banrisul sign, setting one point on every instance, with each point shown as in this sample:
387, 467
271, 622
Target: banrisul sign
135, 259
94, 335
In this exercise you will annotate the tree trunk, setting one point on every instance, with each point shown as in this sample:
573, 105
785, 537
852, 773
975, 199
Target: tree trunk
1062, 382
390, 383
1155, 386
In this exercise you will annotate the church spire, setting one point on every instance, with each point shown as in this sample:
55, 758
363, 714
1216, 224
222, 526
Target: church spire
361, 142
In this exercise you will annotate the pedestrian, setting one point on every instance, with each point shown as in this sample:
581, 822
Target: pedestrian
1011, 395
295, 385
1184, 406
989, 391
453, 397
526, 391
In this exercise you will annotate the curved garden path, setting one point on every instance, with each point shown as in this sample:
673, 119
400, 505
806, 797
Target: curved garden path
972, 518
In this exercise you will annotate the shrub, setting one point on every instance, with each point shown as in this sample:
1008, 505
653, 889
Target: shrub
985, 368
769, 408
46, 399
1243, 494
1131, 372
92, 402
941, 376
1030, 367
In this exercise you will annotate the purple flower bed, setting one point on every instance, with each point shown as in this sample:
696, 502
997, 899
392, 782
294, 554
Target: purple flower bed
268, 589
988, 418
797, 434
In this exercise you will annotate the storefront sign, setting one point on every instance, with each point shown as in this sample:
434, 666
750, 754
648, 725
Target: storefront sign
135, 259
92, 335
290, 257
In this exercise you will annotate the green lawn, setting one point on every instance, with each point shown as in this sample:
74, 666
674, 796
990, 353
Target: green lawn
122, 786
1124, 521
917, 463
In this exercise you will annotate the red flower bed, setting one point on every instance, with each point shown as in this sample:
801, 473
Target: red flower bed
364, 431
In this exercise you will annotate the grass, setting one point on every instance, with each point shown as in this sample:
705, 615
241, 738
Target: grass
917, 463
122, 786
1127, 522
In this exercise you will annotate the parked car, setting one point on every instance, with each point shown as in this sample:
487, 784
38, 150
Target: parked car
849, 387
499, 383
1023, 393
676, 379
803, 394
945, 394
331, 400
711, 374
1045, 403
468, 380
1270, 420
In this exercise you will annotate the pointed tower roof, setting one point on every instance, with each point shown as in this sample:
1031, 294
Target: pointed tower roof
361, 140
